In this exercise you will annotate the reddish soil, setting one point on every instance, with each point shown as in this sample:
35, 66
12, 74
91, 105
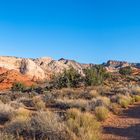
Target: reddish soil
124, 127
8, 77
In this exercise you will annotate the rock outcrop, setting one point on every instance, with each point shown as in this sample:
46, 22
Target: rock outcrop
8, 77
43, 68
40, 68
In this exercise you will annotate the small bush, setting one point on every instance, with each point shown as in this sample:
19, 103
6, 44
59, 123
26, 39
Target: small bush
6, 113
5, 99
93, 93
22, 114
18, 87
95, 75
103, 101
38, 103
101, 113
136, 90
92, 105
137, 98
47, 125
16, 105
69, 78
115, 108
6, 136
124, 101
67, 104
125, 70
83, 125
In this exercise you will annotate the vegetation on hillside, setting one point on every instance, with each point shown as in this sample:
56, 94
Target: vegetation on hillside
74, 108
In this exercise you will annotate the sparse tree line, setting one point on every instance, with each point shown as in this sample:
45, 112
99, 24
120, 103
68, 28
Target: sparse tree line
71, 78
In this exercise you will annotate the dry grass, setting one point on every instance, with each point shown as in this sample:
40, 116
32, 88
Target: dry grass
6, 136
116, 109
136, 90
69, 103
6, 112
83, 125
124, 101
102, 100
22, 114
38, 103
49, 126
137, 98
101, 113
94, 93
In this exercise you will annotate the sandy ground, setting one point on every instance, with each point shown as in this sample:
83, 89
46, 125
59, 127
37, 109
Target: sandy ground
124, 127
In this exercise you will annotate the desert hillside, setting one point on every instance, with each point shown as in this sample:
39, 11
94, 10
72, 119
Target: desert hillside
65, 100
29, 71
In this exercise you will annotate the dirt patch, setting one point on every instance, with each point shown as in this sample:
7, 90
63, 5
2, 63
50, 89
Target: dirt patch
124, 127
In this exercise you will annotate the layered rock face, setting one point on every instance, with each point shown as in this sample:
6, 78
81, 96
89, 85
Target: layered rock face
28, 71
43, 68
40, 68
8, 77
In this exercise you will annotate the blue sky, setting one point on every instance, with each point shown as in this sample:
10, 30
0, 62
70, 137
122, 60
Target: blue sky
85, 30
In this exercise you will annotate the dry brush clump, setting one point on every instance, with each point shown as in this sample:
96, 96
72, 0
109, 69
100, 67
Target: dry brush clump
6, 136
137, 98
69, 103
6, 112
38, 103
103, 101
116, 108
39, 126
5, 99
47, 125
83, 125
101, 113
124, 101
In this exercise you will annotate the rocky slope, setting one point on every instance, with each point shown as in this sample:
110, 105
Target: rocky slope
8, 77
28, 71
113, 66
40, 68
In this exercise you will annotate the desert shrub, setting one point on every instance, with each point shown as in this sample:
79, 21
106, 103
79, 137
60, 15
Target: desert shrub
125, 70
95, 75
92, 105
47, 125
22, 114
72, 93
15, 104
6, 136
6, 113
5, 99
79, 104
137, 98
18, 87
38, 103
18, 125
83, 125
93, 93
124, 101
136, 90
61, 104
115, 108
25, 101
48, 97
31, 88
101, 113
103, 101
69, 78
69, 103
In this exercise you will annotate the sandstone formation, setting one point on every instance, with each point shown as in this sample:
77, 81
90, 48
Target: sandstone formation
8, 77
43, 68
